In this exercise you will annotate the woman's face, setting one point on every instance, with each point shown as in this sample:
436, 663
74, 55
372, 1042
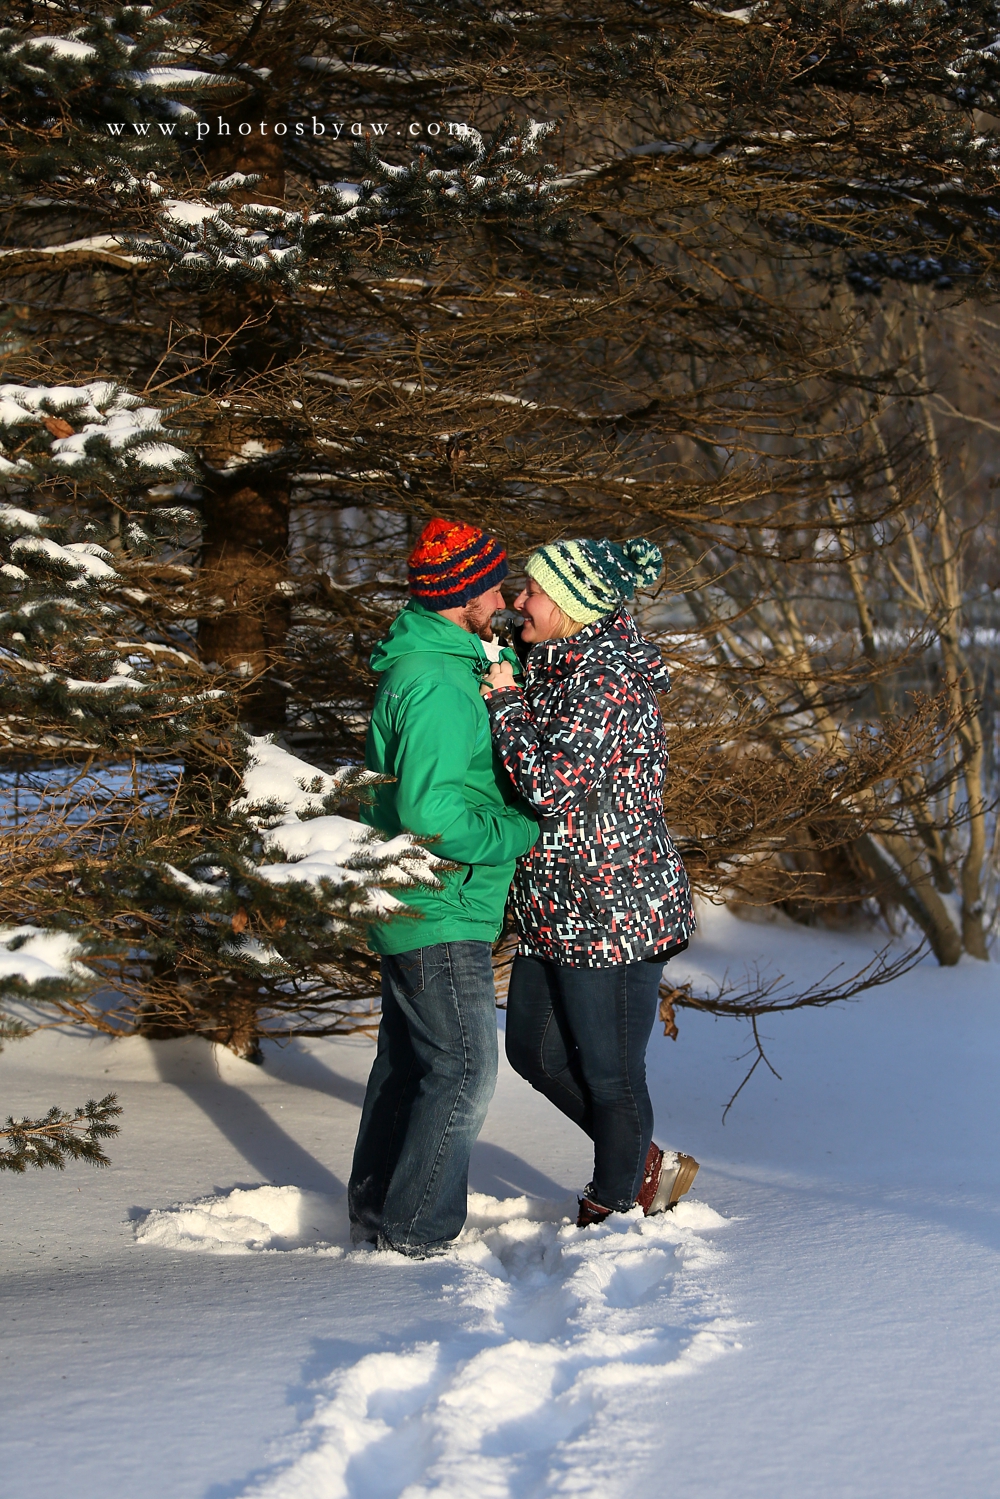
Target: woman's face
542, 618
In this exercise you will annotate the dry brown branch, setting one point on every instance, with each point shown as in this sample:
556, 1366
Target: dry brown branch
756, 994
760, 1057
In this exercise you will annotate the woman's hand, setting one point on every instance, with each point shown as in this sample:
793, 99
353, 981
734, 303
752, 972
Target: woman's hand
500, 674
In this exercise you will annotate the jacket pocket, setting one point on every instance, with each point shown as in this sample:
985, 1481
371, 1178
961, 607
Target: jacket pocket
594, 897
612, 892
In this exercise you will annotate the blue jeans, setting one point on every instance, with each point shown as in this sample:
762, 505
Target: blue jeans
579, 1036
428, 1092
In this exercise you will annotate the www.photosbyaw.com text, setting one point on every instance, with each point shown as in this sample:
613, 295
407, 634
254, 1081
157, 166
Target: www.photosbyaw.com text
202, 129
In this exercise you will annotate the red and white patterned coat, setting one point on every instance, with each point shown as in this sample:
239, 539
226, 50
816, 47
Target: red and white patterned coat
585, 746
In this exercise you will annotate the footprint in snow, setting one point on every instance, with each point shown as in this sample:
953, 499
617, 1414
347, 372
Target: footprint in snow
555, 1344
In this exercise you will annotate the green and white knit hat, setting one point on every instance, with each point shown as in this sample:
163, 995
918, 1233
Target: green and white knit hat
589, 579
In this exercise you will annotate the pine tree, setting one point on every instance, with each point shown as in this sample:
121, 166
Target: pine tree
161, 883
278, 352
187, 904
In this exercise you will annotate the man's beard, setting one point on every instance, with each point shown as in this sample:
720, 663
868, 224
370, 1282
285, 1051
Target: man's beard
483, 627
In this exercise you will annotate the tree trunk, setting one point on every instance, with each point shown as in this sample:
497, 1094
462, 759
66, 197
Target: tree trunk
960, 683
237, 1026
244, 559
913, 888
245, 612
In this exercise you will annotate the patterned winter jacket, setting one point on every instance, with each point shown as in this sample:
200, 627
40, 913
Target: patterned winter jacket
585, 746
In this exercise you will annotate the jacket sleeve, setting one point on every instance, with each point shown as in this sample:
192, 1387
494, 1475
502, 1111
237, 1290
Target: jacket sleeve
436, 732
554, 769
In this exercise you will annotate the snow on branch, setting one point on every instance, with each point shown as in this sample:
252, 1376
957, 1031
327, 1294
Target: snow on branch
277, 785
208, 237
288, 801
248, 242
741, 16
339, 67
32, 956
64, 607
100, 53
122, 61
104, 247
479, 174
99, 428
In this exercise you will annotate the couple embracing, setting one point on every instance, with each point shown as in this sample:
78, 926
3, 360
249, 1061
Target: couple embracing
545, 766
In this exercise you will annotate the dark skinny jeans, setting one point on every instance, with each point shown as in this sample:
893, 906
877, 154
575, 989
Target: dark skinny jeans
579, 1036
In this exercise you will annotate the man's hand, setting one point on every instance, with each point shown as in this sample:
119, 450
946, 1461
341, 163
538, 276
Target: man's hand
500, 674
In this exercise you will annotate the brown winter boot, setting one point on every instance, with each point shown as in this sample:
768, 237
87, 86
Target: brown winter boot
666, 1176
590, 1212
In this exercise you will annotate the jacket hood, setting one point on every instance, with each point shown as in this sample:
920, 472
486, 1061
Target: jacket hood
613, 641
416, 629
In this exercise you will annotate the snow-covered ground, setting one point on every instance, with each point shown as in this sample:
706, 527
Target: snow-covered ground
820, 1318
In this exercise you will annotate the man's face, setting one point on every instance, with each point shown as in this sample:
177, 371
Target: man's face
480, 611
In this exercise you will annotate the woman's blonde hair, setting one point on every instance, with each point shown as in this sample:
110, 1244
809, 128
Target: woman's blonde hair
567, 626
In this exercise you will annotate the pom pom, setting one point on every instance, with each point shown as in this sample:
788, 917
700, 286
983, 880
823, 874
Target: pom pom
646, 560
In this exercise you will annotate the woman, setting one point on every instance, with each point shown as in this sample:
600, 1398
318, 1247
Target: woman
602, 899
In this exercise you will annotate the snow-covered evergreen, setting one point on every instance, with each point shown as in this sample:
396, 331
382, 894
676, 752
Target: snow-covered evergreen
179, 907
199, 915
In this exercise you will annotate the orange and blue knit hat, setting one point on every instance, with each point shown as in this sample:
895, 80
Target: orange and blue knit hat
453, 563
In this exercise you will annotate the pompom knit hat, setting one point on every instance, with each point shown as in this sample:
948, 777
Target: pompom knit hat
453, 563
589, 579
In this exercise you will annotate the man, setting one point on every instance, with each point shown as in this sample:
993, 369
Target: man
436, 1066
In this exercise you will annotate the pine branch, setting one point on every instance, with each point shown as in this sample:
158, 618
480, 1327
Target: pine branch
11, 1030
59, 1137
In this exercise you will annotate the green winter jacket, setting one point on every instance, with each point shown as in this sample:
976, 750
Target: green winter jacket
430, 730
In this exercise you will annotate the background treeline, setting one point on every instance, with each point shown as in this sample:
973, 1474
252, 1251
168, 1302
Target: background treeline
720, 277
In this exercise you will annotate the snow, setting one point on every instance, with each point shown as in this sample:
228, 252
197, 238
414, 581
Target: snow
554, 1329
273, 776
90, 560
340, 851
555, 1342
248, 1221
121, 680
257, 952
14, 519
199, 888
349, 192
82, 563
105, 410
160, 77
282, 796
254, 236
173, 77
57, 46
94, 243
185, 212
35, 954
819, 1317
